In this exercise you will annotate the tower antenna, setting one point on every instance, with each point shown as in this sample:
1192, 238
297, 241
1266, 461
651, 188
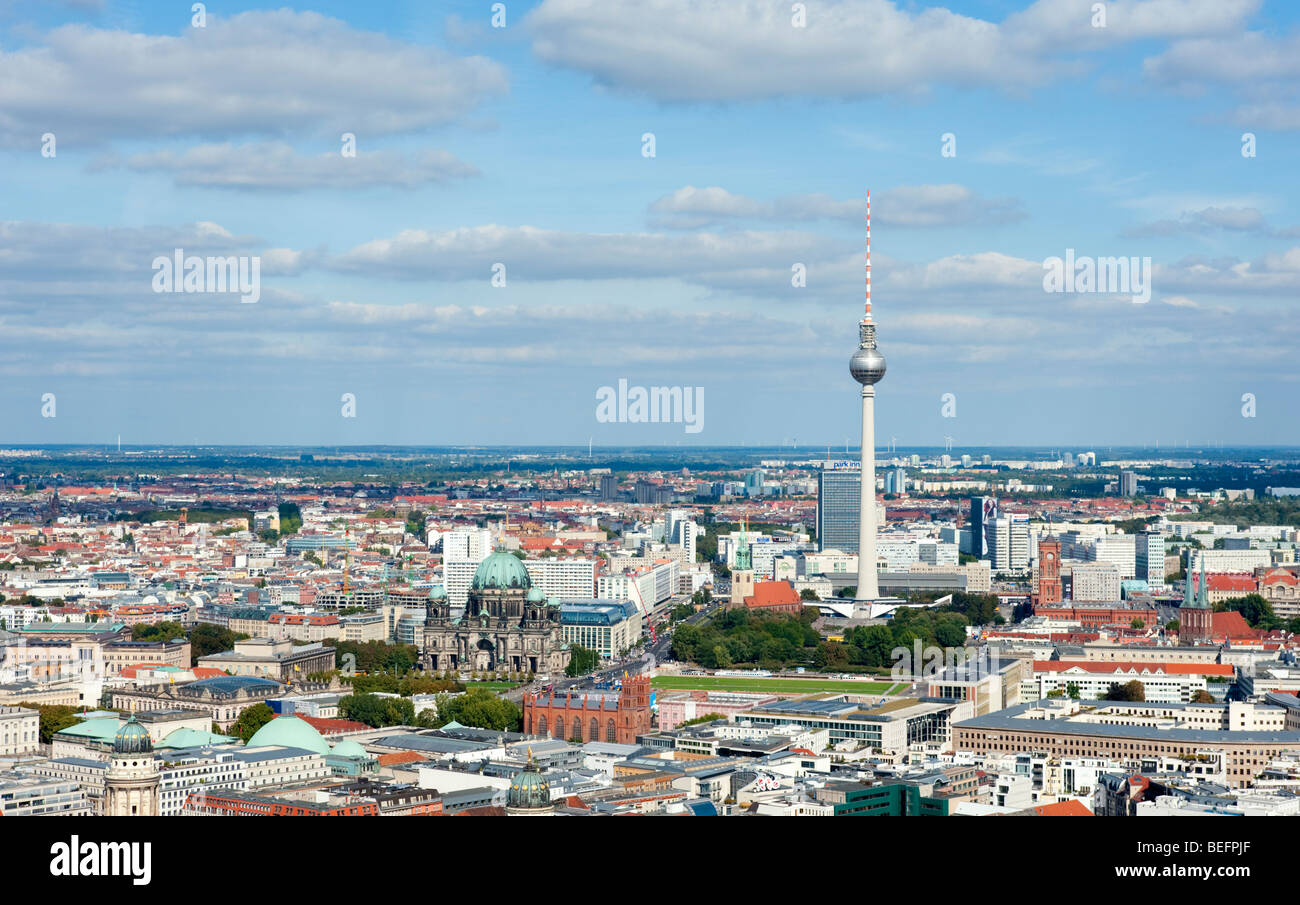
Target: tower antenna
868, 314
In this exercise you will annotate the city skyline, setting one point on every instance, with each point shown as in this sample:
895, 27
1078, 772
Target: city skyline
673, 270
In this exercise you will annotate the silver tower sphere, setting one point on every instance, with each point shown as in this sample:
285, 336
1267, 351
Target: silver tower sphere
867, 364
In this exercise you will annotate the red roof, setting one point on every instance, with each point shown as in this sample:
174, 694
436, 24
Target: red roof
1106, 667
1064, 809
773, 593
1231, 624
399, 757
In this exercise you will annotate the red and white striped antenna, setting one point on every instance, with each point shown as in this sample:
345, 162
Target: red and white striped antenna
868, 317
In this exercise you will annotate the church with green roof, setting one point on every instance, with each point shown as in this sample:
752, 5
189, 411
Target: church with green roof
507, 624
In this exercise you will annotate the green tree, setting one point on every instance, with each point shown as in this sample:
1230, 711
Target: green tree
480, 708
581, 661
1129, 691
377, 711
250, 720
290, 518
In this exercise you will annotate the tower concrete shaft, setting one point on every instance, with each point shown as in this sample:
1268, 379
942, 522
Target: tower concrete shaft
868, 587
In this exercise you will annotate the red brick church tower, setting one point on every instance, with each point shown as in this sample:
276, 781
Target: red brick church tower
1049, 573
633, 709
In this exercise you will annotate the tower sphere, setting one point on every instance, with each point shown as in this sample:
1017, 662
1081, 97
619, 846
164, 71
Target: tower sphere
867, 366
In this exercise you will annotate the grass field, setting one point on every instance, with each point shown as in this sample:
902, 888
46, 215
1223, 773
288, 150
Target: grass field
786, 686
493, 686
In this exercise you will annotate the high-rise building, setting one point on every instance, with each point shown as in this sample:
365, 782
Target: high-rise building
1149, 558
569, 579
838, 499
1007, 542
681, 531
983, 510
896, 480
1095, 582
608, 487
1128, 483
868, 368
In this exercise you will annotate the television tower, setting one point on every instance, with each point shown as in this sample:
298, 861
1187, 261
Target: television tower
868, 368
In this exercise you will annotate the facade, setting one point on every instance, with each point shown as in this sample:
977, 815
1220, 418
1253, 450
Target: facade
1130, 732
838, 502
572, 578
273, 658
1006, 541
609, 627
1149, 558
1161, 682
1099, 581
507, 624
223, 697
25, 795
1281, 588
20, 731
893, 727
618, 717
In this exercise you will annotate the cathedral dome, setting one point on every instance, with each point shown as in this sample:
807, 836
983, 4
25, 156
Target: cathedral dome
501, 570
132, 738
529, 790
535, 595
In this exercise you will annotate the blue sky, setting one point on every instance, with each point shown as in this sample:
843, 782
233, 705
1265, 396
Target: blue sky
522, 145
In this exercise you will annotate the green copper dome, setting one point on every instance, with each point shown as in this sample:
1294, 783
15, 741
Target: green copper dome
348, 748
535, 595
437, 592
529, 789
290, 732
501, 570
132, 738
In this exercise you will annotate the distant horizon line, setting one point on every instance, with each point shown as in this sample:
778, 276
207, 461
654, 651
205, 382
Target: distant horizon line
811, 449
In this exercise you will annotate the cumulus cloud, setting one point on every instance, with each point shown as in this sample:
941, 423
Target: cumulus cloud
906, 206
469, 253
256, 73
705, 50
278, 166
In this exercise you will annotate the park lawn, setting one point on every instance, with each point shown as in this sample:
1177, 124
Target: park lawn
493, 686
787, 686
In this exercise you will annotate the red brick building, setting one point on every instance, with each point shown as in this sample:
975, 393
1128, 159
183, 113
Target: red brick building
1095, 617
591, 716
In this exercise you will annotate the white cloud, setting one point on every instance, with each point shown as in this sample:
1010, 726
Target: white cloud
278, 166
704, 50
256, 73
904, 206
